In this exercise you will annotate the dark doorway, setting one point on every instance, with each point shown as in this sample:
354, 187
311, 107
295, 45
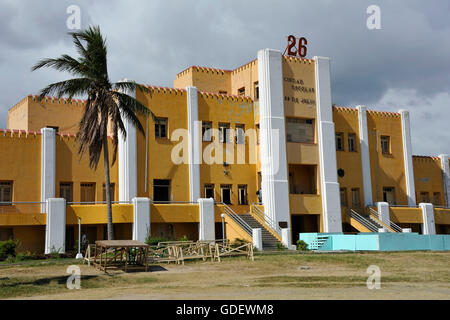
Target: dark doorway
161, 190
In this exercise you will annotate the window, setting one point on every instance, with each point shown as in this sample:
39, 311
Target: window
385, 145
206, 130
343, 194
257, 133
224, 132
352, 142
161, 128
111, 190
6, 191
225, 190
161, 190
424, 197
242, 190
209, 191
240, 134
54, 128
389, 195
87, 192
356, 200
299, 130
437, 198
256, 86
339, 141
222, 92
241, 91
66, 191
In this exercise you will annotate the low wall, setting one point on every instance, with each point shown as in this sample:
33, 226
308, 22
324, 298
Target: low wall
380, 241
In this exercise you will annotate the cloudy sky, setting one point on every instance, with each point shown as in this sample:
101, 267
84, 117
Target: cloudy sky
403, 65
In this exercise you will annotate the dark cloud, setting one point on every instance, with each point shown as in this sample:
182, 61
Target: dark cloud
406, 62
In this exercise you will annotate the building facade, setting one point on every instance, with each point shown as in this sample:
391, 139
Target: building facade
264, 141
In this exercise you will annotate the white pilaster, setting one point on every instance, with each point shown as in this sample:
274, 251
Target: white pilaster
428, 226
257, 239
55, 229
286, 238
127, 159
141, 218
206, 227
331, 204
275, 188
365, 158
445, 177
48, 165
194, 143
407, 158
383, 212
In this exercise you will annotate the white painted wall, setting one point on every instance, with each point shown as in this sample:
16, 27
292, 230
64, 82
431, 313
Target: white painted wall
331, 204
428, 226
55, 229
141, 218
48, 165
127, 160
445, 177
194, 142
407, 158
206, 227
257, 238
383, 212
274, 184
365, 158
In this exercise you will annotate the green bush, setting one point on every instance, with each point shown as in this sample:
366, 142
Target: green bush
302, 245
183, 238
7, 249
281, 246
153, 241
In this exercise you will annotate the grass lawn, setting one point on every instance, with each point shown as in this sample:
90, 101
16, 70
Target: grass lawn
404, 275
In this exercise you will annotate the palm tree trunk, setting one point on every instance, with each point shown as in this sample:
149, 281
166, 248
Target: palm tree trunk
108, 190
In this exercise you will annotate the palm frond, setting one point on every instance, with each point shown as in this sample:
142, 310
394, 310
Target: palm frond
71, 87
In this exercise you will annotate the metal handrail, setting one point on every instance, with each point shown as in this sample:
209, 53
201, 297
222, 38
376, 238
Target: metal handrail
366, 223
270, 223
97, 202
233, 215
391, 224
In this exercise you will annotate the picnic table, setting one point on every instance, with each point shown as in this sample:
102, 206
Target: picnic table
126, 254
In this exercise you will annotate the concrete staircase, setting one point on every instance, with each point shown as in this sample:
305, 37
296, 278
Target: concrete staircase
268, 240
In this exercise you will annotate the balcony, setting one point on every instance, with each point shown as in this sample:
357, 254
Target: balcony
302, 153
305, 204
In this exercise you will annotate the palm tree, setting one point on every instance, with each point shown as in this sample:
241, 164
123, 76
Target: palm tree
106, 101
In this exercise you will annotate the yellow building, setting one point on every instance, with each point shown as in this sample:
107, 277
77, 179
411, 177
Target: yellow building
263, 141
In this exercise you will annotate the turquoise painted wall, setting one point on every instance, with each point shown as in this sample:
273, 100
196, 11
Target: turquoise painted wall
380, 241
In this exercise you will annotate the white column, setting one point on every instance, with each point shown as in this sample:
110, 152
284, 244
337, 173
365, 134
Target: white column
206, 227
445, 177
141, 218
365, 158
48, 165
286, 238
428, 226
127, 159
407, 158
383, 212
257, 239
55, 229
194, 143
331, 204
274, 184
